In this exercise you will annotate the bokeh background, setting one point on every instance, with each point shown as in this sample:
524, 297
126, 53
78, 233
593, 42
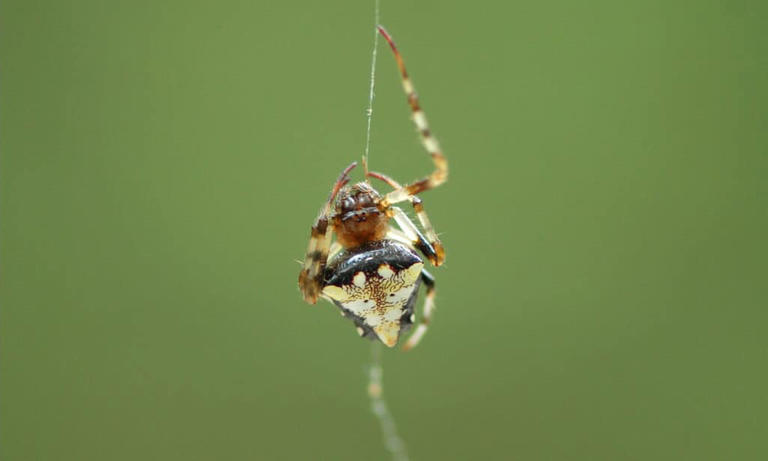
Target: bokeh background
604, 295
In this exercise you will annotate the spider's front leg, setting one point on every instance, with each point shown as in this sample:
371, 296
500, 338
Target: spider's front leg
311, 276
440, 174
312, 272
430, 246
421, 215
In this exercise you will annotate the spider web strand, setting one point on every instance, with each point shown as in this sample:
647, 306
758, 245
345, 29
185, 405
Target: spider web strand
371, 92
392, 441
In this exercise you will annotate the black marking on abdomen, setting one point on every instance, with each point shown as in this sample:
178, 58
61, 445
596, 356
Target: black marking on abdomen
367, 258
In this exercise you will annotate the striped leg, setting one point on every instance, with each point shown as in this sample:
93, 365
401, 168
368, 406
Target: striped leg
426, 315
431, 235
311, 275
440, 174
427, 247
399, 236
436, 252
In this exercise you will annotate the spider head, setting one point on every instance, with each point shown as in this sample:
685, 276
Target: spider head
358, 218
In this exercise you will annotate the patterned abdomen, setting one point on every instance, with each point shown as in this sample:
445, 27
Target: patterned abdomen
376, 285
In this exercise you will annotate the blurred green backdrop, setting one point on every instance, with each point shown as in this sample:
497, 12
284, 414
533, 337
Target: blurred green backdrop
605, 290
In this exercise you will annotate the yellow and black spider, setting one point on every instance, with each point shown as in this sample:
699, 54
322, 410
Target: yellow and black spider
372, 271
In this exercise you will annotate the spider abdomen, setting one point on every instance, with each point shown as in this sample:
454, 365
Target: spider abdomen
376, 285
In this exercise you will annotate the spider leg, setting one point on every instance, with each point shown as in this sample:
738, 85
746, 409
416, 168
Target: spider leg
311, 275
437, 246
381, 176
440, 174
335, 248
436, 254
432, 249
398, 236
426, 315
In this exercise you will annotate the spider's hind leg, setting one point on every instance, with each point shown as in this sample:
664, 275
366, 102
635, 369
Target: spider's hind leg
426, 314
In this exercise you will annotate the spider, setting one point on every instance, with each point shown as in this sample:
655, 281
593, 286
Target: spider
373, 270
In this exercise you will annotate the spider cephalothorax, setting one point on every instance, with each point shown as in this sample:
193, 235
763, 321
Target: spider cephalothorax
373, 271
358, 218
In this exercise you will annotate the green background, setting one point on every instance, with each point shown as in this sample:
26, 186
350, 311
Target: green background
604, 295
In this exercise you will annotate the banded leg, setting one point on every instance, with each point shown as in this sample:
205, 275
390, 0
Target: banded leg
437, 245
426, 315
419, 241
335, 248
399, 236
440, 174
417, 238
437, 254
311, 275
